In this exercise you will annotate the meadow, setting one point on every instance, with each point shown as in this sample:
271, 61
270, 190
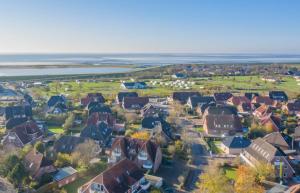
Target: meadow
109, 88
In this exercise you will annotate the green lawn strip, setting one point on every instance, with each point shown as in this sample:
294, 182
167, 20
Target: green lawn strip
230, 172
56, 129
213, 145
199, 129
73, 187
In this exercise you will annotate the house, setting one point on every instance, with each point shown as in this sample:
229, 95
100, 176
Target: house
99, 132
20, 111
260, 151
57, 104
292, 108
182, 97
222, 97
21, 135
296, 138
234, 144
67, 144
121, 95
281, 140
179, 75
65, 176
263, 110
37, 164
56, 99
58, 108
11, 123
251, 95
150, 110
195, 101
134, 103
157, 126
280, 96
134, 85
221, 121
271, 123
96, 107
244, 108
238, 100
200, 109
150, 122
262, 100
123, 177
92, 97
146, 154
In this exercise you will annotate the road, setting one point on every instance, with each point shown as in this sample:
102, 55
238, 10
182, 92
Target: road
198, 153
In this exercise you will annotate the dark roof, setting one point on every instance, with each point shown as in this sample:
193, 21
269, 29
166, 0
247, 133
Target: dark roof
278, 95
67, 144
223, 123
133, 84
196, 100
116, 179
263, 151
11, 123
182, 97
222, 110
92, 97
250, 95
96, 107
150, 110
262, 100
27, 132
293, 106
150, 122
122, 95
135, 102
56, 99
12, 111
222, 96
100, 132
236, 142
203, 107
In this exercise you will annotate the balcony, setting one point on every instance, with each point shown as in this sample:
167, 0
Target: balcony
112, 159
116, 153
145, 184
142, 156
148, 165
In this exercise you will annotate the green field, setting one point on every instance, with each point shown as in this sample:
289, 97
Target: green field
56, 129
235, 84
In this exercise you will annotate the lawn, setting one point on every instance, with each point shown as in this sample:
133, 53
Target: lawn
56, 129
206, 85
213, 146
230, 172
73, 187
199, 129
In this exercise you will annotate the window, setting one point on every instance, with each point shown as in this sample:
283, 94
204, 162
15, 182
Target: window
284, 175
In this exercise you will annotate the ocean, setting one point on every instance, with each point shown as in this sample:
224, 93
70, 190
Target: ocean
9, 63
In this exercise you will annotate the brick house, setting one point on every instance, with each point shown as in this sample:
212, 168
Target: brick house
92, 97
21, 135
123, 177
65, 176
37, 164
146, 154
260, 151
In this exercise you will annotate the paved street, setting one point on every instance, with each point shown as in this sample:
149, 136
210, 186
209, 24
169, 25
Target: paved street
198, 152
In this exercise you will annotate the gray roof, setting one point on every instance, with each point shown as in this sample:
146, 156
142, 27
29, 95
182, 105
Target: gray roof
67, 144
263, 151
64, 173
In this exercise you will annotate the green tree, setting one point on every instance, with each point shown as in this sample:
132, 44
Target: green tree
63, 160
39, 146
213, 180
69, 122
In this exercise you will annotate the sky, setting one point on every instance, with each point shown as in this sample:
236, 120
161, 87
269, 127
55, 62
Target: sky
150, 26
